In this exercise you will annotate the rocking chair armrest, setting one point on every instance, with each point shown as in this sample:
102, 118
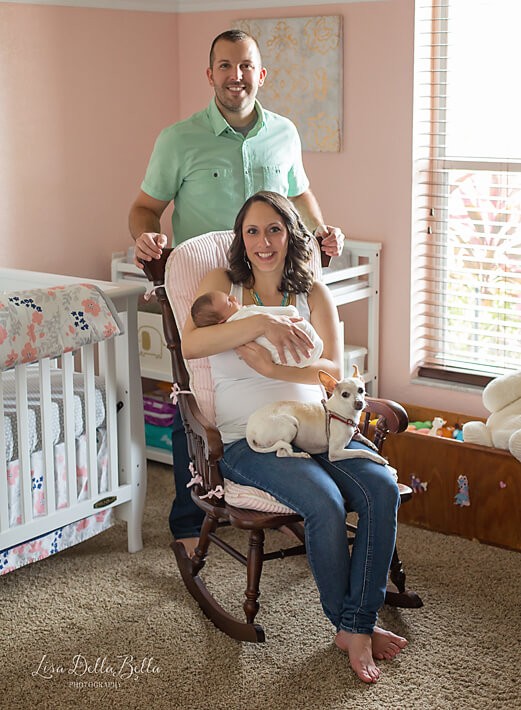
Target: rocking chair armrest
207, 433
155, 270
395, 415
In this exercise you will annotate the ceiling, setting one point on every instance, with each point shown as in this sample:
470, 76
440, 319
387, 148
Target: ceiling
181, 6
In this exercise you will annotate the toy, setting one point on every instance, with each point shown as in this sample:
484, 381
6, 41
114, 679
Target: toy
502, 397
420, 427
437, 424
457, 434
434, 428
462, 497
417, 485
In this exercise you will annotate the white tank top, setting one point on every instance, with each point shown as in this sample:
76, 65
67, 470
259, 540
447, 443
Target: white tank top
240, 390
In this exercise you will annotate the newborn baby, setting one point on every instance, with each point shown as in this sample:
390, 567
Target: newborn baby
218, 307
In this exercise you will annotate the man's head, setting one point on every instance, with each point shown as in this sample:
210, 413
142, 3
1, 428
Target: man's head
235, 73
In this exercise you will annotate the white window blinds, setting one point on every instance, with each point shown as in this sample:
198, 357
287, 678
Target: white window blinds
466, 250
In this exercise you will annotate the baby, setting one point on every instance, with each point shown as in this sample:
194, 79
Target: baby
218, 307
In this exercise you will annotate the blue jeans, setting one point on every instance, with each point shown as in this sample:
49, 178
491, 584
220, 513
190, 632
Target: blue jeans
351, 586
185, 518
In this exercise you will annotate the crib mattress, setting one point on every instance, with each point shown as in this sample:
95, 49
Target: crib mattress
56, 409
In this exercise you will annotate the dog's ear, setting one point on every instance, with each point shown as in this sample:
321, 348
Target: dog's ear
327, 381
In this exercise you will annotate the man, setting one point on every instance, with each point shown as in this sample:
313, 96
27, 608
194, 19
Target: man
208, 165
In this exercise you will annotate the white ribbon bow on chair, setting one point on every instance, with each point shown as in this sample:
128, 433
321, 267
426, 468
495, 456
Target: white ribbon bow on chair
196, 477
177, 390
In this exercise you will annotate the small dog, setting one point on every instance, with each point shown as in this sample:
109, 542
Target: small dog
315, 428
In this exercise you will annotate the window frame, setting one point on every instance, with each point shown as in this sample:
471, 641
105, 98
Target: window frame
431, 185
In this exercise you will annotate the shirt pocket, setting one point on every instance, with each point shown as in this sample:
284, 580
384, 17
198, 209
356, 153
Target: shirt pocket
202, 180
271, 177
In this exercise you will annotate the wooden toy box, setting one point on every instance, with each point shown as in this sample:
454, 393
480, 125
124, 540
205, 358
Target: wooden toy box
494, 483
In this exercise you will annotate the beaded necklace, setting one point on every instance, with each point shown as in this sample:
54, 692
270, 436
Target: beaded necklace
286, 298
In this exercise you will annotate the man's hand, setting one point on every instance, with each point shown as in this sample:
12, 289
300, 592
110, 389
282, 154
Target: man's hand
332, 239
149, 245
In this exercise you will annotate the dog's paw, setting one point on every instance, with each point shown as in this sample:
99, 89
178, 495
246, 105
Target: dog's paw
380, 459
292, 454
393, 471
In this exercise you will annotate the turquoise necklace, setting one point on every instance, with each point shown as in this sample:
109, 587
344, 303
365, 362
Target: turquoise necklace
258, 302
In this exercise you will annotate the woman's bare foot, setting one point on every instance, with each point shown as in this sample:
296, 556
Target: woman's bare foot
386, 645
189, 543
359, 649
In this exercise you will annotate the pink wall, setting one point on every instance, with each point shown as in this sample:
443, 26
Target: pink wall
88, 90
85, 92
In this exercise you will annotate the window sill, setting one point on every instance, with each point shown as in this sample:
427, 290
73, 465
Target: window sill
441, 384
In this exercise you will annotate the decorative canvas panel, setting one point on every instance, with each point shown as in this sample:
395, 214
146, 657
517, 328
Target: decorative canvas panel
303, 56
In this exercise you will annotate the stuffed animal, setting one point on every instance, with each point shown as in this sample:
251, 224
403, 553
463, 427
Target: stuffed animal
502, 397
437, 424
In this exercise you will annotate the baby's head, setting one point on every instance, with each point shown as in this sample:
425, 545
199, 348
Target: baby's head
213, 307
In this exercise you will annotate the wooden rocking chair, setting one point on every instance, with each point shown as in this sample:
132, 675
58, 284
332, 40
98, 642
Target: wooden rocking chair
180, 271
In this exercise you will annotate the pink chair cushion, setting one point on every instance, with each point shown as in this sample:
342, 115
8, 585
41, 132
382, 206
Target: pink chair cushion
188, 263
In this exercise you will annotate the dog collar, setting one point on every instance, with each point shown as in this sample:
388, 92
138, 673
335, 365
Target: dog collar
333, 415
349, 422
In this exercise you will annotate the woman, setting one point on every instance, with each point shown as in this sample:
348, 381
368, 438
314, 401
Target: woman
269, 260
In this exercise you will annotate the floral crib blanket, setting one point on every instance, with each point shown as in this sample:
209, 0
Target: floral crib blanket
35, 324
47, 322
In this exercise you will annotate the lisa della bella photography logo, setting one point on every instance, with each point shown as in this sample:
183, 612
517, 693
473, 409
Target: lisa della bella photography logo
103, 672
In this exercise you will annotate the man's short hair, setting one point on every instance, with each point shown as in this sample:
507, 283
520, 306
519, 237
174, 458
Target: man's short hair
234, 35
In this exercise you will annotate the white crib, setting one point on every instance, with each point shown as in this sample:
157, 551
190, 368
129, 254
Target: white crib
71, 435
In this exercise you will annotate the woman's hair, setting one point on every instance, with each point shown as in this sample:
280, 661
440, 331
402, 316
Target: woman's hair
297, 277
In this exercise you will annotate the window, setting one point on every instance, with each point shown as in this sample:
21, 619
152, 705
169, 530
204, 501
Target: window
466, 250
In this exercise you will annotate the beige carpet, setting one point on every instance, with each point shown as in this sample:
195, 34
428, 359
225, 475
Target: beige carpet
99, 605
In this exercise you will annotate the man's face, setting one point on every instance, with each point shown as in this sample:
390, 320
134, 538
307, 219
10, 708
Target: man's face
236, 76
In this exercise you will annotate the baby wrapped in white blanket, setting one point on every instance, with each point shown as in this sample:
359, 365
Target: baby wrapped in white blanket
217, 307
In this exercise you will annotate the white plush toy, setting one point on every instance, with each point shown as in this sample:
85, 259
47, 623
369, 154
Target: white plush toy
502, 397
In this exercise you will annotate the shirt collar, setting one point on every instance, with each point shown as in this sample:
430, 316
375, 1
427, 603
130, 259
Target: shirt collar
219, 124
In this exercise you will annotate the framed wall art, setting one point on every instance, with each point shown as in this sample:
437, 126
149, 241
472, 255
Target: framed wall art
303, 56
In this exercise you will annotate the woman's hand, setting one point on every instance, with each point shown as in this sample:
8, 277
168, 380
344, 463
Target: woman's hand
282, 332
257, 357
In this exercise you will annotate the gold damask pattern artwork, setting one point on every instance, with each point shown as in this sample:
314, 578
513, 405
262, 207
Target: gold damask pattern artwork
303, 56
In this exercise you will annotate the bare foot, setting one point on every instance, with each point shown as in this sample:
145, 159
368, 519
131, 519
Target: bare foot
189, 543
386, 645
359, 649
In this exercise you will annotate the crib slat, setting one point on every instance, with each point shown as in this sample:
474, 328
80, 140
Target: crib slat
4, 509
68, 425
22, 418
108, 365
87, 366
47, 440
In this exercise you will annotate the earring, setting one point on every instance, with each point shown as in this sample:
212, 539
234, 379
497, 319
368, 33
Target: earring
247, 261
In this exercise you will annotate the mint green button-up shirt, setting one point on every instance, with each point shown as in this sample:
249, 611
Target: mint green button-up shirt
208, 169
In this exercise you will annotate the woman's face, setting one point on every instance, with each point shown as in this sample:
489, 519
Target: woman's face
265, 237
